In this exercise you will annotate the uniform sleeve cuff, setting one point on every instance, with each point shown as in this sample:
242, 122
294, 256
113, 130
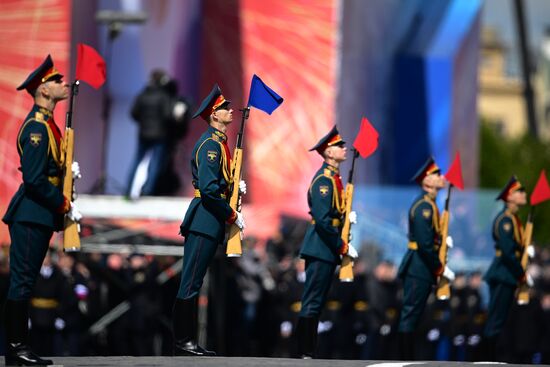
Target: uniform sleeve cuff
440, 270
232, 218
344, 248
64, 207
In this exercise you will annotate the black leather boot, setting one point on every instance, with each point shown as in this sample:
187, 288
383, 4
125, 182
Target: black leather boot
18, 352
185, 326
306, 330
406, 345
206, 352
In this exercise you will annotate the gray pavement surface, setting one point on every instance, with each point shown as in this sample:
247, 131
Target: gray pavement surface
245, 362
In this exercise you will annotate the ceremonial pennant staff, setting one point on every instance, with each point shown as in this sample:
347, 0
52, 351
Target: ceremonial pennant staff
90, 68
454, 176
365, 144
541, 193
263, 98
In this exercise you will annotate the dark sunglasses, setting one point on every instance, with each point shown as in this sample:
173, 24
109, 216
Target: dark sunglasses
56, 81
224, 106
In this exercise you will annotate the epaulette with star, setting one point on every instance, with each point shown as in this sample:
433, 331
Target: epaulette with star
39, 116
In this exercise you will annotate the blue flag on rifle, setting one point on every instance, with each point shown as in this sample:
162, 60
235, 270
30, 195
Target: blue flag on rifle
262, 97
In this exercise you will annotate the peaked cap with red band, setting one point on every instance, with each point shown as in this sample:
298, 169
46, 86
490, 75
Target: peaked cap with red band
44, 73
512, 186
213, 101
332, 138
428, 168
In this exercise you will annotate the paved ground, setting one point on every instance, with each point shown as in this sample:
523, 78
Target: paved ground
243, 362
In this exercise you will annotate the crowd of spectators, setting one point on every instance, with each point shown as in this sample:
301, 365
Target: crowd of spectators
121, 304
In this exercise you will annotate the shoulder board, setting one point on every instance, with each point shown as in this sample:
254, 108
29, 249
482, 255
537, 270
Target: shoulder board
210, 141
327, 173
419, 203
39, 116
205, 142
431, 202
318, 177
502, 216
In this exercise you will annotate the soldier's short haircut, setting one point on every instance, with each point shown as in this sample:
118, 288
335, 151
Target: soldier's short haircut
34, 92
326, 150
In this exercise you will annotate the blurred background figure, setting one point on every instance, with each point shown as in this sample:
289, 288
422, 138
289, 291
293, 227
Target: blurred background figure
290, 287
385, 296
477, 314
162, 118
46, 311
73, 306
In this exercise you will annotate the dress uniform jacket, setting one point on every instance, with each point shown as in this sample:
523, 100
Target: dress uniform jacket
39, 199
506, 266
505, 270
210, 167
422, 257
326, 202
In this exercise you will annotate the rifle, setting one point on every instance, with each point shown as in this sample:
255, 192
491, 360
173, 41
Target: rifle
443, 286
523, 292
234, 246
71, 238
346, 269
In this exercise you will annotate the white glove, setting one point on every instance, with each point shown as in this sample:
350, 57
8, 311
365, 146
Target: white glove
59, 324
353, 217
73, 213
531, 251
449, 274
352, 252
75, 168
179, 110
450, 243
433, 334
239, 222
474, 340
242, 187
529, 280
286, 329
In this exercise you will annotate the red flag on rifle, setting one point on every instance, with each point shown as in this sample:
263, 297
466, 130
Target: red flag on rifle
454, 175
90, 66
541, 191
366, 141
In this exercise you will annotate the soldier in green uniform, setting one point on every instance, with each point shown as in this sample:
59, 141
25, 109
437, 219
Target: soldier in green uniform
322, 245
505, 272
204, 224
420, 267
37, 208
